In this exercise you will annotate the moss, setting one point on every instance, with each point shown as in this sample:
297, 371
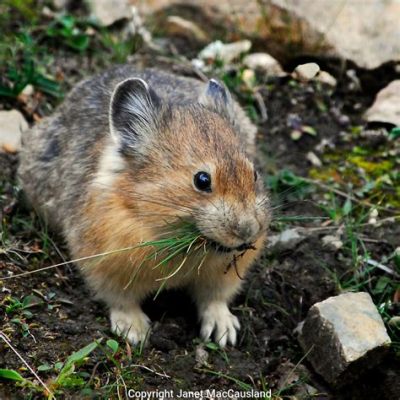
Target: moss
333, 173
375, 168
377, 182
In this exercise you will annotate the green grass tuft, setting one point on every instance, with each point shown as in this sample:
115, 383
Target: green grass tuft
184, 240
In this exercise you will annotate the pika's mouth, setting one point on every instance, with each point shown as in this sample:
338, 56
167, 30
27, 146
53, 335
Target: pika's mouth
224, 249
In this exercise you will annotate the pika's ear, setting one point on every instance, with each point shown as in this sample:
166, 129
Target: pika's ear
216, 97
133, 114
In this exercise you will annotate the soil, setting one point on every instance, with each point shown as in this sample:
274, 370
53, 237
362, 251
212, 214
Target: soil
275, 298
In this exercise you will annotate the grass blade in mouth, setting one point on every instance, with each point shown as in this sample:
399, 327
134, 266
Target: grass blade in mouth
182, 242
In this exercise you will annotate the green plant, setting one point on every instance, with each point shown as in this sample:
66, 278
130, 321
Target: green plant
19, 311
216, 348
67, 28
335, 210
17, 305
237, 83
14, 376
118, 48
22, 68
68, 374
11, 375
395, 133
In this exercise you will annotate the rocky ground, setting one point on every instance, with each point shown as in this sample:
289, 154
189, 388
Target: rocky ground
331, 175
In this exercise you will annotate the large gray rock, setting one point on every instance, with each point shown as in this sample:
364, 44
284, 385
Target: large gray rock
344, 335
386, 107
366, 33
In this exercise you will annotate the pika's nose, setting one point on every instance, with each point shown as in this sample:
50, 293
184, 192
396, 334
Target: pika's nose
246, 229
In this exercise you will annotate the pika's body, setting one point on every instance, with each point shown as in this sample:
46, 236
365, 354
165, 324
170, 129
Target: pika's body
129, 154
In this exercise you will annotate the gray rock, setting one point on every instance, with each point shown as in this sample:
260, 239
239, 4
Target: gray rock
306, 72
343, 336
12, 123
225, 52
366, 33
353, 31
386, 107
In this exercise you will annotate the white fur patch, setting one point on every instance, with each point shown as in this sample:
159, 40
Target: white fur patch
111, 162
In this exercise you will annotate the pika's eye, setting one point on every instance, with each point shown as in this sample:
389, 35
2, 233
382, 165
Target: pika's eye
255, 176
202, 181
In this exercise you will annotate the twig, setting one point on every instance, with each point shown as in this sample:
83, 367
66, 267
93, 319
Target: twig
8, 343
120, 377
329, 228
382, 267
370, 240
93, 372
164, 375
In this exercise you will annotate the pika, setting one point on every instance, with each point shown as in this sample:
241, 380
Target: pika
129, 155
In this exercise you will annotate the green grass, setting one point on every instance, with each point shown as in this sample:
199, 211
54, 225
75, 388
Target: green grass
365, 272
32, 42
66, 375
347, 215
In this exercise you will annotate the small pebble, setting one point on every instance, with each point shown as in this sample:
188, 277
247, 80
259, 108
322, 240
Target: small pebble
264, 63
306, 72
314, 160
201, 355
326, 77
182, 27
332, 242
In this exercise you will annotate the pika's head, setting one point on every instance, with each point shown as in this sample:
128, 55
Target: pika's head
186, 160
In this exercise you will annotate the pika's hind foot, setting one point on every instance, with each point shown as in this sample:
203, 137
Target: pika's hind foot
133, 325
217, 321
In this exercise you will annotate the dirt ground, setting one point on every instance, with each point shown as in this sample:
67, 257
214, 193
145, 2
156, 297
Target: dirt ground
275, 298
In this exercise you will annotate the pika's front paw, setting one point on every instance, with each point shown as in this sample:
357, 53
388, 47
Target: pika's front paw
219, 322
133, 325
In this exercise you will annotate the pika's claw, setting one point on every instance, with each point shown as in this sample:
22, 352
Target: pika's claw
133, 325
218, 321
